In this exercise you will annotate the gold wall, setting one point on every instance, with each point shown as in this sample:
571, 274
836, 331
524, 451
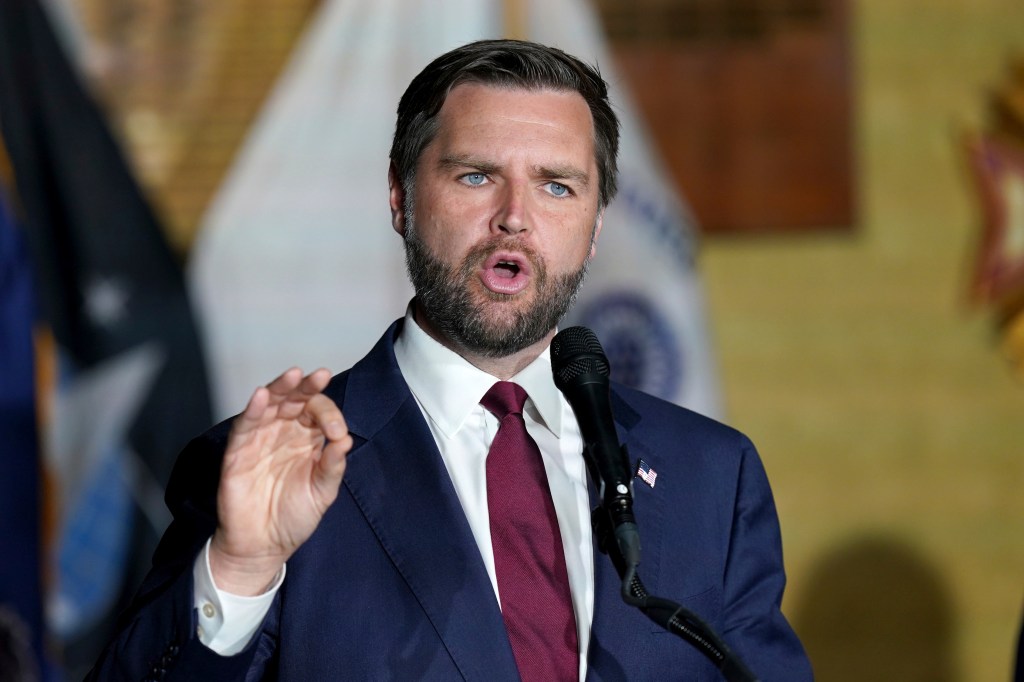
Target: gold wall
891, 428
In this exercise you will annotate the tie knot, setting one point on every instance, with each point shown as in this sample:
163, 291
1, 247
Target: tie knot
504, 398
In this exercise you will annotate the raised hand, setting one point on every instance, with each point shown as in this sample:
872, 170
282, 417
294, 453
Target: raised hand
282, 467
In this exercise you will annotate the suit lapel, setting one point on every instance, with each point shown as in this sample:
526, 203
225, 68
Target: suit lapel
618, 629
399, 481
397, 478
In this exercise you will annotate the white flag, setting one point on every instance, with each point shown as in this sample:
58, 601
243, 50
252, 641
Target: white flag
296, 262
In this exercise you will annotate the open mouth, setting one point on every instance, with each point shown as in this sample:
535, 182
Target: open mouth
506, 272
507, 269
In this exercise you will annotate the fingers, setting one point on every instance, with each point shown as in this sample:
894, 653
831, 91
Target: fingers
330, 468
291, 383
288, 397
315, 382
290, 392
323, 413
285, 383
252, 416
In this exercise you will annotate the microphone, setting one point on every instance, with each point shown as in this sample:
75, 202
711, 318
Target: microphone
581, 374
581, 370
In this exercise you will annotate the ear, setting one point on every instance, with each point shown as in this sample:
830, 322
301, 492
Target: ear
598, 224
396, 197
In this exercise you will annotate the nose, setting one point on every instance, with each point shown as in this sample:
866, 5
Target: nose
512, 215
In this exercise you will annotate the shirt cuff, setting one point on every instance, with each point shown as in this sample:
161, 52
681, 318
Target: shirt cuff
227, 621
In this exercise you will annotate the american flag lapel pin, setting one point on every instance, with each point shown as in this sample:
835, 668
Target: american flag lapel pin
645, 473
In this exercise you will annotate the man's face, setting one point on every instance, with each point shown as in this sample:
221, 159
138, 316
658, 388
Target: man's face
503, 216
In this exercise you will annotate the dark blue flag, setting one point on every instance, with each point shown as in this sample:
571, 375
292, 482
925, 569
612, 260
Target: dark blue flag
21, 615
132, 382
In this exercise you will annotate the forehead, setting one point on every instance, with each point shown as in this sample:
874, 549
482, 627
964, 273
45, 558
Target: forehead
472, 110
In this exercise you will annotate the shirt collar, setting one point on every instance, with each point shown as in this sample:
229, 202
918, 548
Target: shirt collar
449, 388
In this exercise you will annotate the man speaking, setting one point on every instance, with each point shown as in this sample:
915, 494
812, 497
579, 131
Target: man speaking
426, 514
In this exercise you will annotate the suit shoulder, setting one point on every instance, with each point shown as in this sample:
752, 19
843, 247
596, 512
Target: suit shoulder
653, 413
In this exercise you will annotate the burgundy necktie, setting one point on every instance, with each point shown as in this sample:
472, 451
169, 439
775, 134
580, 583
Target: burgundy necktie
528, 555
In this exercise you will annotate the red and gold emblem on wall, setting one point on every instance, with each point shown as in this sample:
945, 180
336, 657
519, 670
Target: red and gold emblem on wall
997, 163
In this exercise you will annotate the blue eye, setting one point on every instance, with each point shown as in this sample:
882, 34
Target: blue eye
474, 178
558, 189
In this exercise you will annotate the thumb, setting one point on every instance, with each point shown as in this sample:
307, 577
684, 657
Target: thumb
330, 468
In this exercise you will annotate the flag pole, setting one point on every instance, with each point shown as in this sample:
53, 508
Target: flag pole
514, 14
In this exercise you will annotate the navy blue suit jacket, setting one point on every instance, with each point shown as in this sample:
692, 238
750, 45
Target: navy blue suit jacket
391, 585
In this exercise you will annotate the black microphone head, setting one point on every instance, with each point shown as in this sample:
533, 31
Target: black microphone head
574, 352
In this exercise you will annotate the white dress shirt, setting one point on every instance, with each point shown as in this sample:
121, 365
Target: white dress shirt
448, 390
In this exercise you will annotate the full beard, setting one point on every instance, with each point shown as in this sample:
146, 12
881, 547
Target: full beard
481, 321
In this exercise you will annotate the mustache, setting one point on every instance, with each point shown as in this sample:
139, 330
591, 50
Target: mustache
484, 250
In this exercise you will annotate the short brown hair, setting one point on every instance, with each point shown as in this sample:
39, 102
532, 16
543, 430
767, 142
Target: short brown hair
511, 64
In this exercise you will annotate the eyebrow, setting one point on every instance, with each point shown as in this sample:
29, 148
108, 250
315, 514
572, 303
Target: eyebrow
567, 172
564, 173
456, 161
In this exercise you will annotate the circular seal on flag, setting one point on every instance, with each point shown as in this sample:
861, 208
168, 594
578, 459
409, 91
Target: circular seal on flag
642, 349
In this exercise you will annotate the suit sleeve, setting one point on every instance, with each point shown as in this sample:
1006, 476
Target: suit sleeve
156, 636
755, 579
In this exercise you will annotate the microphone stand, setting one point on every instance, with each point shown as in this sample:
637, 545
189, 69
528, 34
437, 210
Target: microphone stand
618, 537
